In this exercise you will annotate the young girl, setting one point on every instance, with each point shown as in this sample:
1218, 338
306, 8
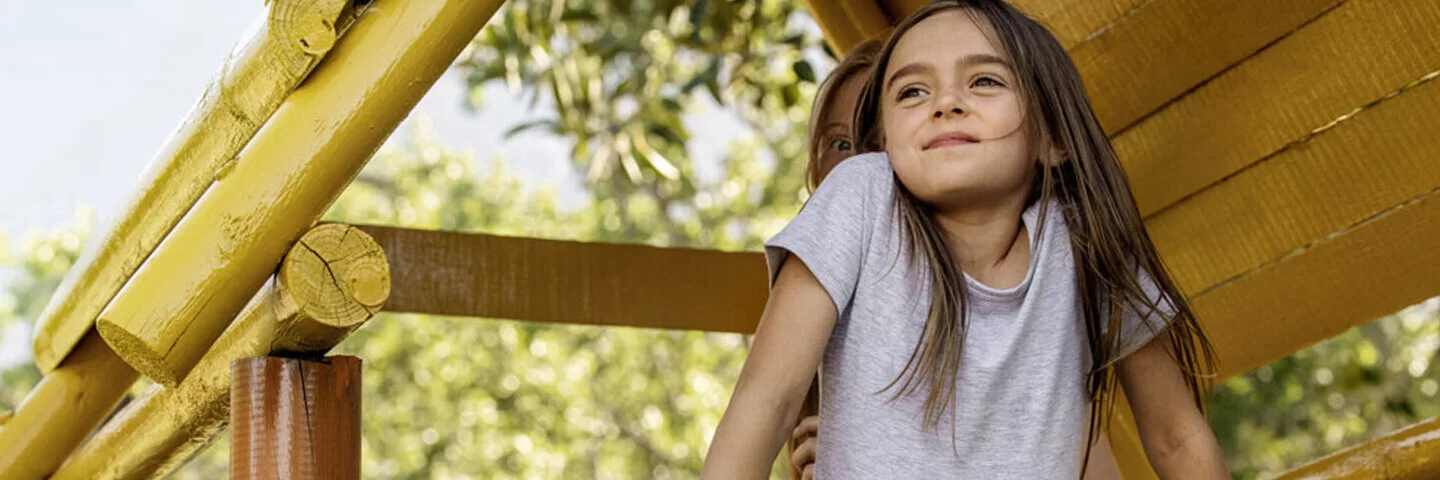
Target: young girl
976, 286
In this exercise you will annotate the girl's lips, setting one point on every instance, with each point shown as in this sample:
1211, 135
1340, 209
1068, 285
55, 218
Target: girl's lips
949, 140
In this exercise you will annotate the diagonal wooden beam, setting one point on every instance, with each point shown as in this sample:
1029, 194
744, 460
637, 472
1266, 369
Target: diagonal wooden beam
180, 300
265, 68
1378, 158
1353, 56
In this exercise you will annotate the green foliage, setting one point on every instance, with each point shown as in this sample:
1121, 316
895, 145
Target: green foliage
37, 271
617, 78
1355, 387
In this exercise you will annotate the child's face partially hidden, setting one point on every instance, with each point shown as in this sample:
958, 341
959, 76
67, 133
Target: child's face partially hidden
839, 116
952, 116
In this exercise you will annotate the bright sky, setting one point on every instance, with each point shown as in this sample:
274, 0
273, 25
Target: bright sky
89, 93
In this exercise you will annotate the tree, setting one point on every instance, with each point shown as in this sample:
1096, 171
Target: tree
618, 78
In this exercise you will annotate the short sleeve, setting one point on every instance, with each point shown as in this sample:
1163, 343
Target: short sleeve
832, 232
1139, 323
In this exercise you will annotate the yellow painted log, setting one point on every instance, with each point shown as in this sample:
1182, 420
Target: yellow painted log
847, 23
1350, 57
1411, 453
1351, 277
330, 283
67, 404
215, 259
1163, 49
1378, 158
289, 41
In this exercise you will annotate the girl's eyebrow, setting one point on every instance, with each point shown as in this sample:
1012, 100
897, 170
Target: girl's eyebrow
907, 70
970, 60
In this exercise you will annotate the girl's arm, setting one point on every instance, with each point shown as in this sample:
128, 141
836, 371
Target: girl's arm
1177, 439
789, 343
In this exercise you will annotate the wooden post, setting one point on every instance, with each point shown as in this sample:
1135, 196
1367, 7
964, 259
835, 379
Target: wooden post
332, 281
295, 419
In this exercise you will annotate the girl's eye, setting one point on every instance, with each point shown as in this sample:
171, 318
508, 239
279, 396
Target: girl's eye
841, 145
986, 82
910, 92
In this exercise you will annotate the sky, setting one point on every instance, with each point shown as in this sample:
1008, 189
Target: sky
90, 90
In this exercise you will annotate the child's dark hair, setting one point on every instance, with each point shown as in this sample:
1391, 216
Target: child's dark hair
1112, 249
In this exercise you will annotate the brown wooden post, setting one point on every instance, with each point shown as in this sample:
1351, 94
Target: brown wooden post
295, 419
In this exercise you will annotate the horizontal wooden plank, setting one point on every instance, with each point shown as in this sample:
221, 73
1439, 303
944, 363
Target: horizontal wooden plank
1411, 453
448, 273
1351, 56
1376, 159
1348, 278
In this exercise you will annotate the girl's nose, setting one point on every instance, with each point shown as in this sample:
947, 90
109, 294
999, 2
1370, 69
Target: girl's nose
957, 111
949, 105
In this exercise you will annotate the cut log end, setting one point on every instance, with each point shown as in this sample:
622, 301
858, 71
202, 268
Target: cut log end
138, 353
337, 274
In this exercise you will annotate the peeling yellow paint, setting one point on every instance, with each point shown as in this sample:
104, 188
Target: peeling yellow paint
250, 85
220, 253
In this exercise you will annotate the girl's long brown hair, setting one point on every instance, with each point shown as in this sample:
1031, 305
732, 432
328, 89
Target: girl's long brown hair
859, 59
1112, 250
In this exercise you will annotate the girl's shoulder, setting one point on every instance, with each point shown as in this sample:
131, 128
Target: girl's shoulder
870, 165
864, 174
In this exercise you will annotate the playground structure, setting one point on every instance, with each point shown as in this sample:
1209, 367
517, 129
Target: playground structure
1282, 154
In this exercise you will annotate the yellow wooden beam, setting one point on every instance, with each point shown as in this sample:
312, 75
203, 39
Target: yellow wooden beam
846, 23
1411, 453
1349, 278
1378, 158
1352, 56
446, 273
215, 259
330, 283
67, 404
292, 38
1072, 21
1163, 49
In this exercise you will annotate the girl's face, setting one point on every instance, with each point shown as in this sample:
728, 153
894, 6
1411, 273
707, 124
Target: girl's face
952, 116
835, 133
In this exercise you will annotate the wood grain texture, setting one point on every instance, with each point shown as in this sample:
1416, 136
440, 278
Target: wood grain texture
295, 419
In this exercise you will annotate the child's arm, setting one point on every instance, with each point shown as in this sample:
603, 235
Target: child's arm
1177, 439
788, 346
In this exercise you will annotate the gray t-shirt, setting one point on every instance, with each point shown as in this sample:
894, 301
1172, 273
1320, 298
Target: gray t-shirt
1020, 404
